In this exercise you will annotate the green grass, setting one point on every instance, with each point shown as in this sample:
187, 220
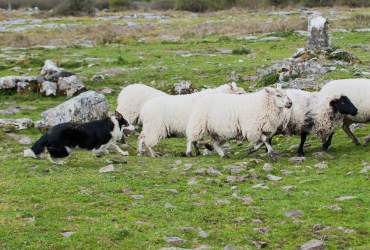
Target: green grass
39, 201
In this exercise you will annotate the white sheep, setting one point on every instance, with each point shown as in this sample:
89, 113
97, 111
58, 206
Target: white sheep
315, 113
168, 115
358, 91
255, 117
132, 98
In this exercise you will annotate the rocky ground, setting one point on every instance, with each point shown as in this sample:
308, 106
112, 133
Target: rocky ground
316, 202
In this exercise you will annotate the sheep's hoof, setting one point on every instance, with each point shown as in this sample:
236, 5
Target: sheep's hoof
273, 156
189, 154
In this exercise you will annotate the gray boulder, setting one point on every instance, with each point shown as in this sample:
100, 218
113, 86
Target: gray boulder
18, 124
48, 88
85, 107
70, 86
318, 27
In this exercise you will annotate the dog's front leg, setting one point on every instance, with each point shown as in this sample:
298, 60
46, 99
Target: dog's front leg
119, 150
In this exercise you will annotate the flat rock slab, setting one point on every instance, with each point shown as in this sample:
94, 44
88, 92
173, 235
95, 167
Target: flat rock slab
18, 124
86, 107
313, 245
107, 169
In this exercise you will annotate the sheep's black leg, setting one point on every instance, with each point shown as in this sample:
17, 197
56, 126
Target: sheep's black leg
327, 144
301, 145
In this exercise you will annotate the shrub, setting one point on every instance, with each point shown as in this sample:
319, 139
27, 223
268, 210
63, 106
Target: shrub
75, 7
269, 79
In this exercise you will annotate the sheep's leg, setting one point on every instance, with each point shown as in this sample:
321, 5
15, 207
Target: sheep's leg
218, 149
254, 148
327, 144
301, 145
189, 145
152, 152
367, 140
270, 150
348, 131
140, 146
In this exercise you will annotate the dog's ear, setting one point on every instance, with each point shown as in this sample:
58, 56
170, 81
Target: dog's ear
334, 104
121, 120
118, 115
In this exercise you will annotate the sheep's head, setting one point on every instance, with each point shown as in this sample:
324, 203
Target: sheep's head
280, 98
343, 105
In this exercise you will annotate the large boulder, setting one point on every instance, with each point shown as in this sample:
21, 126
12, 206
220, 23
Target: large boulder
318, 28
85, 107
70, 86
50, 68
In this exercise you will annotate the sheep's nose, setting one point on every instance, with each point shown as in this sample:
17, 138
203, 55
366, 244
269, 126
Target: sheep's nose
289, 104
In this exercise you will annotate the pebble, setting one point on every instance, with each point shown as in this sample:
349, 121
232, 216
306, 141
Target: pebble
169, 206
297, 160
267, 167
261, 186
137, 196
321, 165
274, 177
288, 188
247, 200
313, 245
107, 169
203, 234
365, 170
345, 198
174, 240
67, 234
293, 213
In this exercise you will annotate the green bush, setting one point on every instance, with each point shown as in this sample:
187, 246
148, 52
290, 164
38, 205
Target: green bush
75, 7
269, 79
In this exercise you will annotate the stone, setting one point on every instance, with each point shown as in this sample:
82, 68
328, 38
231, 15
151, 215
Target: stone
288, 188
48, 88
107, 169
169, 206
365, 169
260, 186
267, 167
321, 165
183, 88
297, 160
86, 107
50, 68
334, 207
222, 202
202, 234
270, 38
70, 86
274, 177
8, 82
313, 245
98, 78
318, 27
229, 247
261, 230
19, 124
21, 139
213, 172
137, 196
247, 200
342, 55
174, 240
323, 155
67, 234
293, 213
106, 91
345, 198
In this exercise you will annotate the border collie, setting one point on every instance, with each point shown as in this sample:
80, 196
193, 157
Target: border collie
96, 136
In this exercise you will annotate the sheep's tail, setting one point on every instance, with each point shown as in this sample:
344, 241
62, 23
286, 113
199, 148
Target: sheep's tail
40, 145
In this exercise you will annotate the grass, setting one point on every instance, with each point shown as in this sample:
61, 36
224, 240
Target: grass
39, 201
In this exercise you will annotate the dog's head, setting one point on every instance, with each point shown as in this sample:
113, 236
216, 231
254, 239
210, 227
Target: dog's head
123, 123
344, 106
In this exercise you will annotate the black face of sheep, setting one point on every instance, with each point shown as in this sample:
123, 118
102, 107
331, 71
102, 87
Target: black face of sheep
344, 106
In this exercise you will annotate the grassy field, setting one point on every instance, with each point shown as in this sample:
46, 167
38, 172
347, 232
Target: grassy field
44, 206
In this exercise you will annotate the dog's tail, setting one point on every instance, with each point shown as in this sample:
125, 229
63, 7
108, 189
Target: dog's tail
40, 145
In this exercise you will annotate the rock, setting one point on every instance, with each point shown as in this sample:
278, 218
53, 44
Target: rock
318, 27
274, 177
178, 162
7, 83
247, 200
48, 88
169, 38
70, 86
22, 123
321, 165
186, 229
288, 188
323, 155
270, 38
98, 78
267, 167
259, 244
293, 213
86, 107
10, 111
67, 234
192, 182
137, 196
106, 91
202, 234
345, 198
261, 230
365, 169
183, 88
297, 160
222, 202
342, 55
21, 139
229, 247
213, 172
174, 240
50, 68
187, 166
260, 186
313, 245
55, 76
238, 178
169, 206
224, 51
107, 169
257, 221
302, 83
334, 207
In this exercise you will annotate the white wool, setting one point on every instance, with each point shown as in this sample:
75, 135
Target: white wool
357, 90
168, 115
246, 116
315, 107
132, 98
316, 22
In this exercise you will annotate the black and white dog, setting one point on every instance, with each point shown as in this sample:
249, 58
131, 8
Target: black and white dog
96, 136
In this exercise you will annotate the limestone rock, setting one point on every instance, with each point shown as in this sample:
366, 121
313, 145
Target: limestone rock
18, 124
183, 88
85, 107
70, 86
318, 27
48, 88
313, 245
